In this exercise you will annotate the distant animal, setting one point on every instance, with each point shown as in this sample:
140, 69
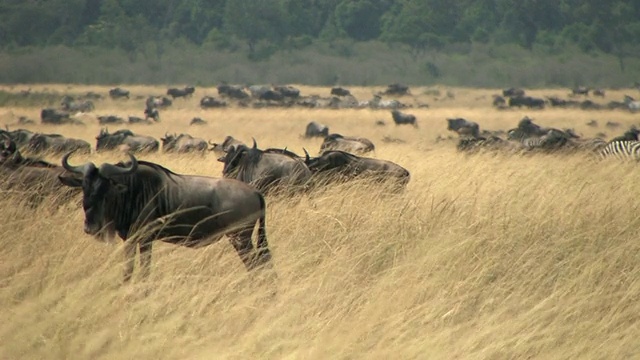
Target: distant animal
341, 165
629, 135
197, 121
146, 199
401, 118
20, 137
339, 91
475, 144
110, 119
271, 95
498, 101
512, 92
527, 101
56, 117
266, 171
227, 144
315, 129
232, 91
396, 89
463, 127
152, 113
599, 92
117, 93
154, 102
69, 104
526, 129
184, 92
183, 143
138, 120
125, 140
257, 90
287, 91
354, 145
580, 90
56, 143
592, 123
211, 102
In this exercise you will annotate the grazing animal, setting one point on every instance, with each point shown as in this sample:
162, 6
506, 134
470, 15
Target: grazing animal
599, 92
69, 104
154, 102
211, 102
287, 91
335, 165
339, 91
126, 139
145, 199
56, 143
266, 171
621, 150
315, 129
152, 113
527, 101
197, 121
56, 117
512, 92
21, 137
396, 89
110, 120
117, 93
403, 119
227, 144
183, 143
184, 92
580, 90
232, 91
463, 127
354, 145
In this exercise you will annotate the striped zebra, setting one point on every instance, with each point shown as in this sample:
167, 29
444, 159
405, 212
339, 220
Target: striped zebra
621, 150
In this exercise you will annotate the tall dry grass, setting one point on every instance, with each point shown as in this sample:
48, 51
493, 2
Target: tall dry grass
482, 257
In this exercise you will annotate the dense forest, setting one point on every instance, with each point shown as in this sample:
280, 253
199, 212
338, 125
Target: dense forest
259, 29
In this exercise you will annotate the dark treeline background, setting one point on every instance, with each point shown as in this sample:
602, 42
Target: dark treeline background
322, 42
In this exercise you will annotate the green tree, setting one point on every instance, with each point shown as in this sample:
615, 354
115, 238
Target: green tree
255, 20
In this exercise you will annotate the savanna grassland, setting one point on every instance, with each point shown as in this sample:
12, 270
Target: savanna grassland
488, 256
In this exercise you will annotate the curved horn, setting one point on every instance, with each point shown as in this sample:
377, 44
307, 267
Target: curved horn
108, 170
306, 155
74, 169
255, 146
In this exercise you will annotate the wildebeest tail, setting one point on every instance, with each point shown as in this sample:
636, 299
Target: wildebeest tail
262, 245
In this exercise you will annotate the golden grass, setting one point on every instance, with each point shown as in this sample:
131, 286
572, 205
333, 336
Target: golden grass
482, 257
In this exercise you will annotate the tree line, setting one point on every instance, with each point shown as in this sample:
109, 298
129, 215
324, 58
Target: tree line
608, 26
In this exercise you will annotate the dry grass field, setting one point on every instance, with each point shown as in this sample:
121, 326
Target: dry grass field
485, 256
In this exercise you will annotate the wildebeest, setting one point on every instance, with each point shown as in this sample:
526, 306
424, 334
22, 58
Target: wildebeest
526, 128
211, 102
401, 118
227, 144
287, 91
354, 145
340, 165
629, 135
69, 104
152, 113
21, 137
183, 143
35, 178
498, 101
599, 92
339, 91
512, 92
527, 101
110, 119
150, 202
396, 89
315, 129
184, 92
117, 93
153, 102
57, 117
125, 140
580, 90
232, 91
257, 90
463, 127
56, 143
266, 171
197, 121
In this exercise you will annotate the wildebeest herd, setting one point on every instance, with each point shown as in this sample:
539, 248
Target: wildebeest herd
148, 201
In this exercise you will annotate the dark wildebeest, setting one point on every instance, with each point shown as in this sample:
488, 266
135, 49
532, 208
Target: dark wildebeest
629, 135
266, 171
397, 89
125, 140
527, 101
69, 104
21, 137
35, 178
315, 129
211, 102
117, 93
257, 90
110, 119
599, 92
197, 121
340, 165
139, 120
463, 127
401, 119
526, 129
287, 91
498, 101
232, 91
512, 92
56, 143
354, 145
338, 91
184, 92
580, 90
271, 95
183, 143
53, 116
152, 113
154, 102
226, 145
146, 201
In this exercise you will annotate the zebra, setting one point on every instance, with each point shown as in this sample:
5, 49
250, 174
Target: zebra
621, 150
552, 140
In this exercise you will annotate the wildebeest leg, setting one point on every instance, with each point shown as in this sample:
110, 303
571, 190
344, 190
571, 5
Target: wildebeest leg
130, 257
241, 241
145, 258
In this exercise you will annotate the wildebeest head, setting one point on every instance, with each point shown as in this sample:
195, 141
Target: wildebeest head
97, 184
169, 140
8, 150
234, 156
